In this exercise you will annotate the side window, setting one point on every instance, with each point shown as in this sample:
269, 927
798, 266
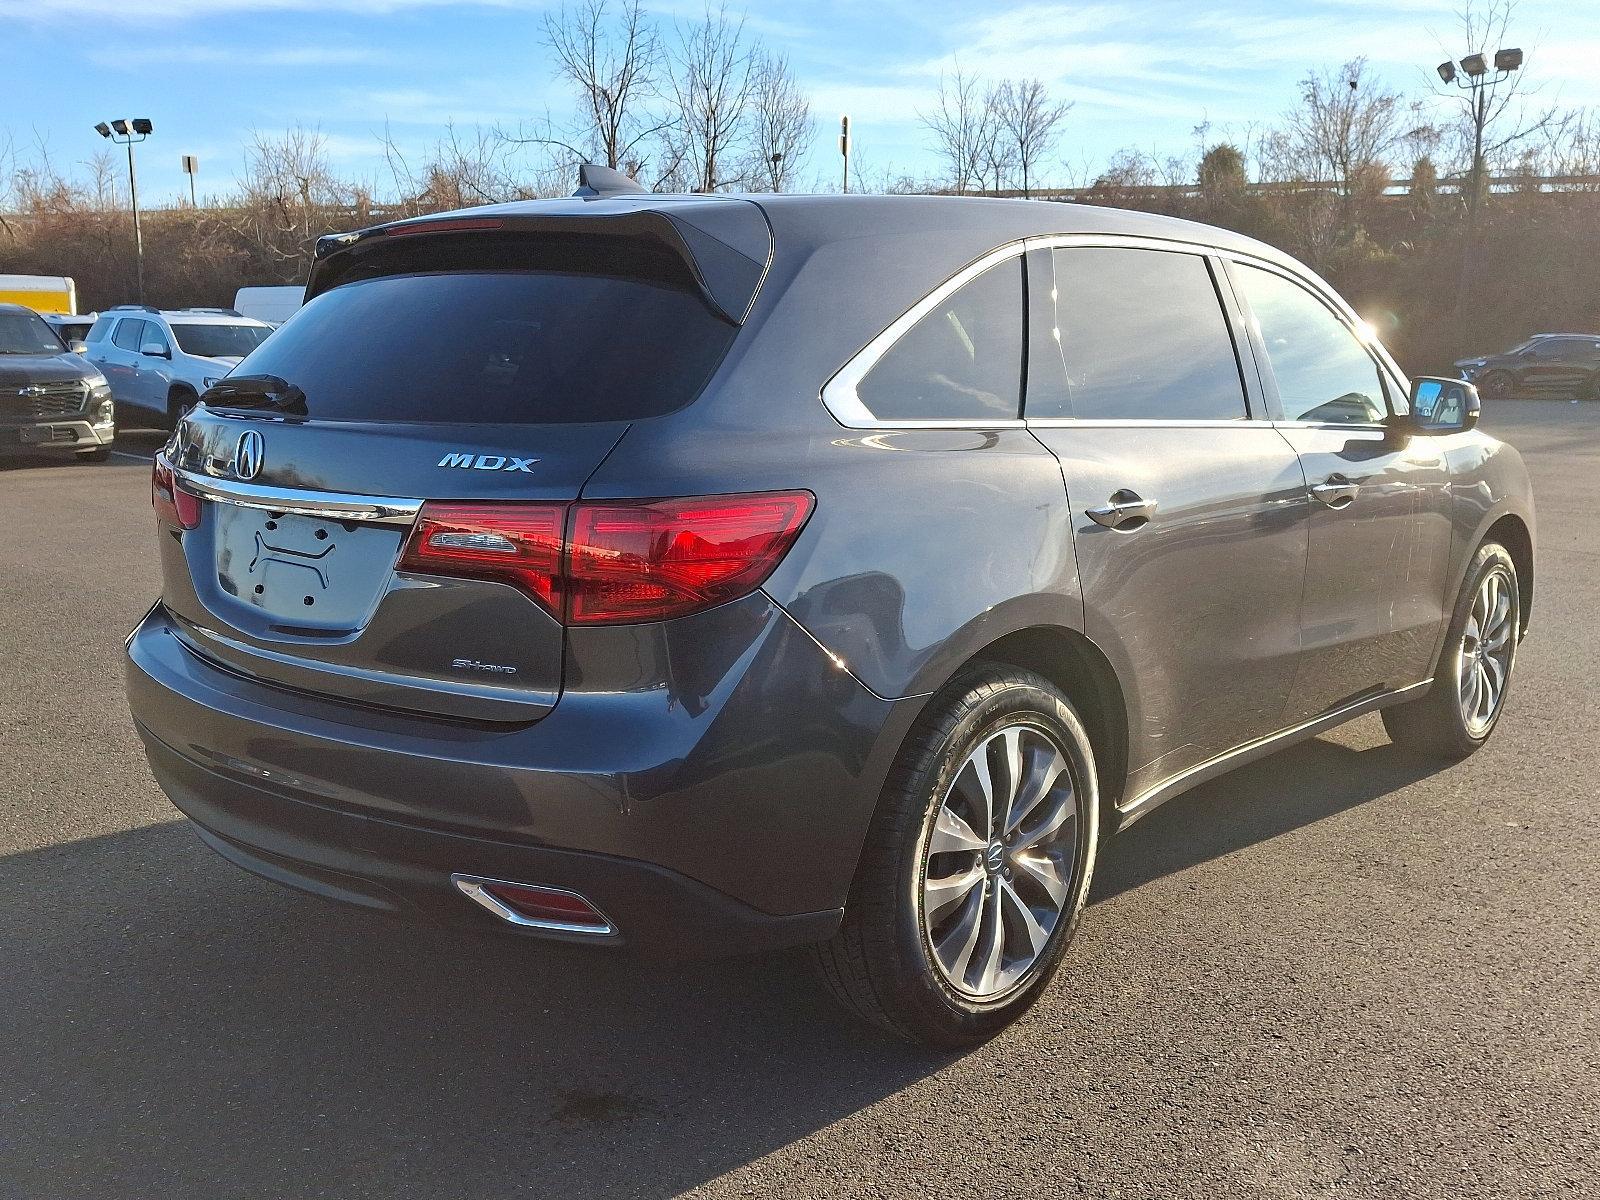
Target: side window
99, 330
154, 333
129, 331
961, 362
1133, 335
1323, 371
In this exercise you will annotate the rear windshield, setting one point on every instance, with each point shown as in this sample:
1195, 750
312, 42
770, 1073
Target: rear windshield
218, 341
484, 347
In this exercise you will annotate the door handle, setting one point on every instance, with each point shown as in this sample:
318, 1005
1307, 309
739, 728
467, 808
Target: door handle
1126, 511
1336, 491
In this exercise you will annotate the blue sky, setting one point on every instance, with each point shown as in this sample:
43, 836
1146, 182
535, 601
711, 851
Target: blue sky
1141, 73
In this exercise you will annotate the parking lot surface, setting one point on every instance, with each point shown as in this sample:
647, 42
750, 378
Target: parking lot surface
1339, 972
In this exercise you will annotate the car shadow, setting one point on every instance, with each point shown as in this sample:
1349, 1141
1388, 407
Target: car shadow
174, 1027
1293, 788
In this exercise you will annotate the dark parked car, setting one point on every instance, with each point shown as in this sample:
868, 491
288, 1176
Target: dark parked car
715, 573
51, 400
1561, 365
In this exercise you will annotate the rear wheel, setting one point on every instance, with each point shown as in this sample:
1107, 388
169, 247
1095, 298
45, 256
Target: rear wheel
1469, 689
976, 867
1496, 385
179, 401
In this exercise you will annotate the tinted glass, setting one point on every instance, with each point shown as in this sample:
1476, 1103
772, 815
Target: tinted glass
1324, 373
23, 332
1136, 335
129, 331
961, 362
154, 335
219, 341
98, 331
484, 347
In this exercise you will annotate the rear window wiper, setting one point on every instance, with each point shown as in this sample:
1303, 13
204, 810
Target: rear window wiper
256, 391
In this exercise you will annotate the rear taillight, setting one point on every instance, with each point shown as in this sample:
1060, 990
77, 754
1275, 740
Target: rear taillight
172, 503
620, 562
520, 544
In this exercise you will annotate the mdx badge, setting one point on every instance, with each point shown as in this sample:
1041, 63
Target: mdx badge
488, 462
247, 455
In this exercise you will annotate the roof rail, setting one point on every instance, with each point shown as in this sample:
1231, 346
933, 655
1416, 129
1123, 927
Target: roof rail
221, 312
132, 308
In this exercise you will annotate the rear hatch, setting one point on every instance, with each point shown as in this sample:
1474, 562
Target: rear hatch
489, 361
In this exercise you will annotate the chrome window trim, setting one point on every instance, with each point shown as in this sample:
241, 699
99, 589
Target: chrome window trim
839, 395
383, 510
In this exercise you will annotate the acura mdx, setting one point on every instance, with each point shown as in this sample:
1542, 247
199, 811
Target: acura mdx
718, 573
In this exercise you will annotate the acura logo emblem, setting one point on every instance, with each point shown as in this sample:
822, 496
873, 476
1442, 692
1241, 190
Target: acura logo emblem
247, 455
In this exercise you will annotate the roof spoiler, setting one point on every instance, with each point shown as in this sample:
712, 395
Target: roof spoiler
601, 183
726, 243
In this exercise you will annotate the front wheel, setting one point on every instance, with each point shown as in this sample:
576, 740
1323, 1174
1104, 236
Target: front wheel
977, 864
1469, 689
1496, 385
179, 402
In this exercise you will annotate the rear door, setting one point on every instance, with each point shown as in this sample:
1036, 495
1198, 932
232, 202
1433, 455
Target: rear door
1188, 507
119, 359
1380, 511
459, 371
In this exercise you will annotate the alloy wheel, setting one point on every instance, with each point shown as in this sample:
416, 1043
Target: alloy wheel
1483, 663
1000, 861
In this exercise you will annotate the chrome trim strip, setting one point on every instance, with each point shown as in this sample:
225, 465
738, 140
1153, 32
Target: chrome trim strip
839, 393
471, 886
1140, 423
332, 506
1152, 799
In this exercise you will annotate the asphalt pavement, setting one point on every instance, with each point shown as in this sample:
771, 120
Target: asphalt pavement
1338, 972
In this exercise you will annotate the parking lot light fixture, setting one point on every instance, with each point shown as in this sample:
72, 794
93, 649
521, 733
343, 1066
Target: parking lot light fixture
1475, 65
128, 133
1507, 60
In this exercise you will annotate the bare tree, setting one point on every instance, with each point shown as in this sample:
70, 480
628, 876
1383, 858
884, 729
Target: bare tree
780, 124
613, 59
711, 74
962, 125
1345, 124
288, 197
1029, 124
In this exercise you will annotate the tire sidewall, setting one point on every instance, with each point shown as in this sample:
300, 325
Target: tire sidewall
1020, 700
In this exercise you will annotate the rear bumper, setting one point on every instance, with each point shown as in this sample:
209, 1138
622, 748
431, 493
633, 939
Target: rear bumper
722, 812
406, 871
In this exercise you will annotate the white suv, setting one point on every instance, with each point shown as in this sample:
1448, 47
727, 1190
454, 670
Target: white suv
159, 361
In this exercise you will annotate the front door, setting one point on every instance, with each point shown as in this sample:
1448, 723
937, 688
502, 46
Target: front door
1380, 512
1189, 510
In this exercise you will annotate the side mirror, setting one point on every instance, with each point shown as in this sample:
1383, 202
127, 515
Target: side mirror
155, 350
78, 346
1440, 405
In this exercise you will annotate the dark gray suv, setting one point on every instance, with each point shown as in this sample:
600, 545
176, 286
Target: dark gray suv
714, 573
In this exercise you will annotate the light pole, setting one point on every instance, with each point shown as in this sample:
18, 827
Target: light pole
1474, 78
128, 133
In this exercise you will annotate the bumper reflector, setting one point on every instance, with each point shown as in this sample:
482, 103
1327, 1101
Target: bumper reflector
536, 907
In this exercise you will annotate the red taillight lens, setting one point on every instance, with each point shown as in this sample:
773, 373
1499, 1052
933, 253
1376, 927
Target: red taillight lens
620, 562
650, 561
172, 503
518, 543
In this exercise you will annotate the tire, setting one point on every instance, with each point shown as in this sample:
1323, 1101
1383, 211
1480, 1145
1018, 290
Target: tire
99, 454
179, 401
934, 981
1496, 385
1447, 723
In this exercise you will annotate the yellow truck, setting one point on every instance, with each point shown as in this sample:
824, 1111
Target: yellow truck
42, 293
